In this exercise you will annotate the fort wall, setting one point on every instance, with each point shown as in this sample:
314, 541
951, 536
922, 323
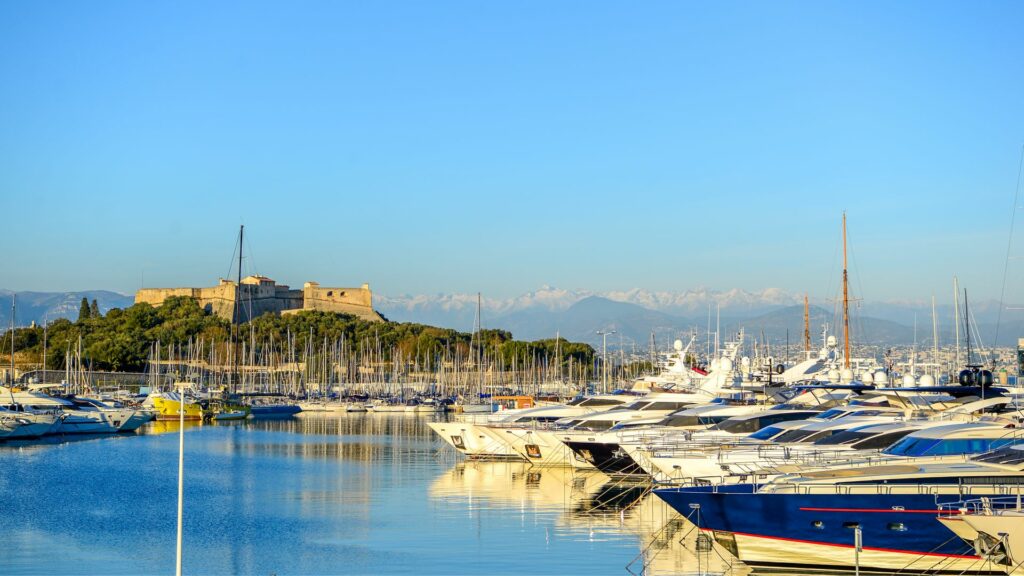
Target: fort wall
258, 295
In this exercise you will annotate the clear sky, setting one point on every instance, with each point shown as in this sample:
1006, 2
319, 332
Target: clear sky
498, 146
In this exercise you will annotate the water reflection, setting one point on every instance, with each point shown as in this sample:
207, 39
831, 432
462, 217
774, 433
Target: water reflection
158, 427
590, 506
338, 494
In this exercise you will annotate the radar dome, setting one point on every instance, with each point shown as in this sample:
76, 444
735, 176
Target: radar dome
833, 375
909, 381
846, 375
832, 342
745, 361
725, 364
678, 345
881, 378
985, 378
927, 380
715, 364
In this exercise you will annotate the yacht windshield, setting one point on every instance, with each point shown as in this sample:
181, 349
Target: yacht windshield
879, 441
743, 426
636, 405
681, 420
667, 405
795, 435
844, 437
600, 402
830, 414
766, 433
539, 419
910, 446
596, 425
1009, 455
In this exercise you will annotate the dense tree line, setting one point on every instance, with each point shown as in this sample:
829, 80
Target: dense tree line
122, 339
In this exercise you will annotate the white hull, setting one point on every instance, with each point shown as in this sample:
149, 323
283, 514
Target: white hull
75, 424
675, 469
386, 408
322, 407
423, 409
137, 419
33, 430
1008, 528
472, 440
812, 558
543, 448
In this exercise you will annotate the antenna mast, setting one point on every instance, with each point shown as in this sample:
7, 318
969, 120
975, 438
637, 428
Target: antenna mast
967, 326
846, 304
807, 326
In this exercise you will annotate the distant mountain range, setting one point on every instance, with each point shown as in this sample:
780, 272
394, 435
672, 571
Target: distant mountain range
39, 306
633, 314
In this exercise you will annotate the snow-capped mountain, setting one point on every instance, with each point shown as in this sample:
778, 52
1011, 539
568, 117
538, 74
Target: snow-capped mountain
688, 302
637, 312
579, 313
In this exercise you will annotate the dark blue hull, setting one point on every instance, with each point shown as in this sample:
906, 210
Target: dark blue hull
281, 411
819, 528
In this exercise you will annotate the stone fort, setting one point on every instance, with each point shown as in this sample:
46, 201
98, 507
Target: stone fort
258, 295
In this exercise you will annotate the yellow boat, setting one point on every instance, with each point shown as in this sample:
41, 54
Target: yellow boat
167, 407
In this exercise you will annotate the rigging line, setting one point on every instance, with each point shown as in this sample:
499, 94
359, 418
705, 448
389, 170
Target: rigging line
251, 258
661, 533
1009, 244
977, 334
860, 330
231, 263
933, 550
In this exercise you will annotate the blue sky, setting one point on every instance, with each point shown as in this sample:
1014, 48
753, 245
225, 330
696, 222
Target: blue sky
484, 146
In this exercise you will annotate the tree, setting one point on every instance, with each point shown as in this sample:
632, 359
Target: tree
83, 310
94, 310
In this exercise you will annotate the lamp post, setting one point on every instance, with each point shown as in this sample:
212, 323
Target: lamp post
604, 356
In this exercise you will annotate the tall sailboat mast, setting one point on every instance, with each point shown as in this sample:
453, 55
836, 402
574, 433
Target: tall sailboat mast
14, 299
479, 346
846, 303
935, 341
235, 314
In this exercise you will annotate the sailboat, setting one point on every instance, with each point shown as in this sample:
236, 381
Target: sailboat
259, 406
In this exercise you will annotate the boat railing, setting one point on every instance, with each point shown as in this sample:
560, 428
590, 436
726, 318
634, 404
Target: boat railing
534, 425
697, 449
923, 488
985, 505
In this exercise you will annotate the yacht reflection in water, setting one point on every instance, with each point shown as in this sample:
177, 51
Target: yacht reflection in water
589, 505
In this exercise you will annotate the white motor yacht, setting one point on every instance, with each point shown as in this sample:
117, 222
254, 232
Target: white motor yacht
498, 435
35, 423
81, 416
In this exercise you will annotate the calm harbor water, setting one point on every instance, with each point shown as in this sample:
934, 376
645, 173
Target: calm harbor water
345, 494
